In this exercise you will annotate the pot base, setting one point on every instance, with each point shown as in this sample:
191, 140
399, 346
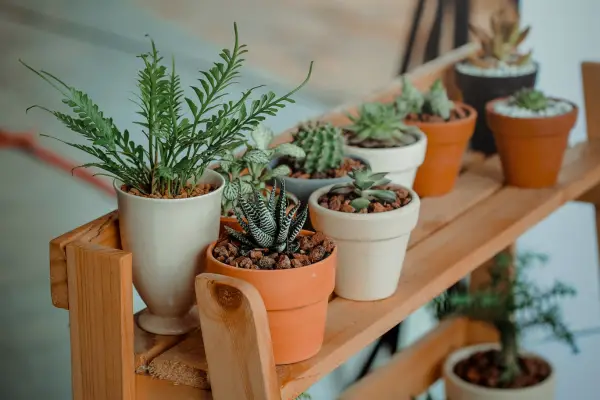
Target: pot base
168, 325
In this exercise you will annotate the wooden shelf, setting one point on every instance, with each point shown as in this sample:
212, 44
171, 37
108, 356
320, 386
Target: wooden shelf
455, 235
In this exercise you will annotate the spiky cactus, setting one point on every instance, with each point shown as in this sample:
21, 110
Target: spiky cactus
380, 125
530, 99
323, 145
362, 185
434, 102
266, 224
502, 45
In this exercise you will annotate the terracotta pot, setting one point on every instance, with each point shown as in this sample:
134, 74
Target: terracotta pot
458, 389
400, 163
371, 247
168, 238
296, 301
477, 91
531, 149
446, 145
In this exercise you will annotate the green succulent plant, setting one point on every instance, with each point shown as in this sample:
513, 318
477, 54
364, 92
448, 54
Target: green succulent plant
323, 145
530, 99
251, 171
434, 102
266, 224
362, 185
380, 125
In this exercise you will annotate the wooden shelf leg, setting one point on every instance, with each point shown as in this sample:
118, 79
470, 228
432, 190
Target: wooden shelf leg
236, 338
101, 322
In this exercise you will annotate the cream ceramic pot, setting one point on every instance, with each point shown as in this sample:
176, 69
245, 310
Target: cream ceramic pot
401, 163
458, 389
371, 247
168, 239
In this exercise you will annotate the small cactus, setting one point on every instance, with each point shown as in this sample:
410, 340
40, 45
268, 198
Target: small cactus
530, 99
382, 126
323, 145
502, 45
434, 102
362, 184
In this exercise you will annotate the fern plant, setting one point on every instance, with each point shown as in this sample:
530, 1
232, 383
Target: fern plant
380, 125
267, 224
434, 102
323, 145
178, 148
530, 99
248, 173
512, 303
363, 185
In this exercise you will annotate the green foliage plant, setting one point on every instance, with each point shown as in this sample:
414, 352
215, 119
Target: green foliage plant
380, 125
251, 172
323, 145
434, 102
512, 303
530, 99
363, 185
178, 148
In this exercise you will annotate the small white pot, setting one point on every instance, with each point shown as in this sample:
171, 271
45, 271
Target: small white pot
458, 389
168, 239
401, 163
371, 247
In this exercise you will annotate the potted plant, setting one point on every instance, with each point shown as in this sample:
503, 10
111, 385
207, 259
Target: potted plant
531, 132
168, 200
324, 162
251, 171
370, 219
512, 304
293, 270
497, 70
448, 126
379, 136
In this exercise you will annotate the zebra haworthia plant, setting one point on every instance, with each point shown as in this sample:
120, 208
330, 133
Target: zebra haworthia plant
267, 224
363, 185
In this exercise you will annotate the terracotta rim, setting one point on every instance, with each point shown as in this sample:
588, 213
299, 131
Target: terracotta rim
457, 104
489, 108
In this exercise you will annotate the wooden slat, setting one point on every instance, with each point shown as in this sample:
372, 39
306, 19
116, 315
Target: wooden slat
236, 333
147, 346
590, 73
104, 231
419, 365
441, 260
101, 322
147, 388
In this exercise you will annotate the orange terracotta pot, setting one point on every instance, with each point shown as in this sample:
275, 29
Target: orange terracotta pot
296, 302
531, 149
446, 145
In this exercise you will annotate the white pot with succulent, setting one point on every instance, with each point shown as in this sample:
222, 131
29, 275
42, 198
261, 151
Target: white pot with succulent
380, 136
169, 201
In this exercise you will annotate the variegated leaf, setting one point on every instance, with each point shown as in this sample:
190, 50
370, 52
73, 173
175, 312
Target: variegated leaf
239, 236
230, 191
263, 239
290, 150
280, 170
267, 221
285, 224
240, 219
256, 156
262, 136
249, 211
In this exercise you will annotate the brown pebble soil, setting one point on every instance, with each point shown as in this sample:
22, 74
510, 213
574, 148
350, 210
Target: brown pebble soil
185, 192
456, 114
348, 164
482, 369
313, 248
341, 202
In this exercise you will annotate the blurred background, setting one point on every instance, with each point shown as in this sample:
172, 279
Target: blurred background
358, 46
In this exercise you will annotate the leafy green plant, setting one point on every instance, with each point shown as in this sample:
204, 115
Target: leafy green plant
267, 224
380, 125
304, 396
323, 145
363, 185
251, 172
434, 102
178, 148
502, 45
512, 304
530, 99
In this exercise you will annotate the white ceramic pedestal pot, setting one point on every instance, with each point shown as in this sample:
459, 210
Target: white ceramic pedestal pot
458, 389
168, 239
401, 163
371, 247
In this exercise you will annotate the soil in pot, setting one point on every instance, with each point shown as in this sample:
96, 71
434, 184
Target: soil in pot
478, 89
347, 165
447, 141
482, 369
185, 192
341, 202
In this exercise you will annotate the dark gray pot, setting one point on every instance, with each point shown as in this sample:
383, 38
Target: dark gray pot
303, 188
